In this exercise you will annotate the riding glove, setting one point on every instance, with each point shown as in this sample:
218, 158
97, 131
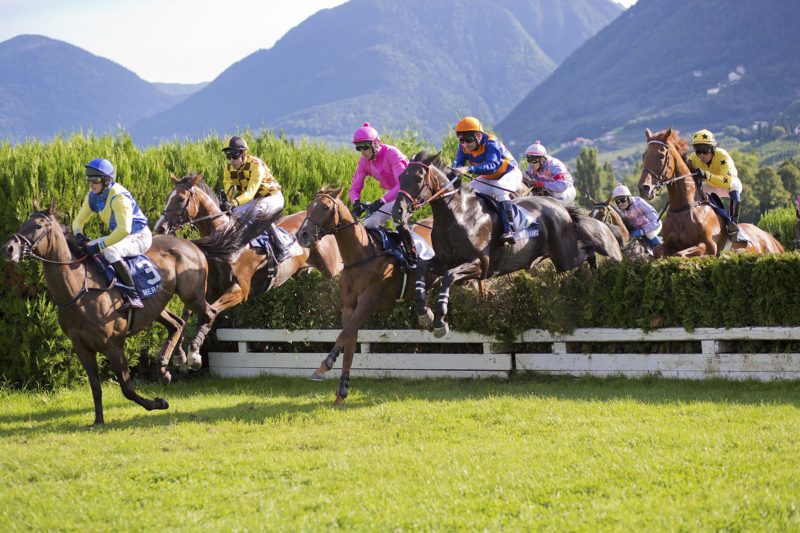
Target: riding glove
93, 248
637, 233
374, 206
226, 205
701, 174
358, 208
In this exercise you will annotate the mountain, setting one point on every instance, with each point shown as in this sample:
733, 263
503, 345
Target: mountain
417, 64
49, 86
179, 89
667, 63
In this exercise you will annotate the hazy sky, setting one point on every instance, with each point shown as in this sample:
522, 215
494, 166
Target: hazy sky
183, 41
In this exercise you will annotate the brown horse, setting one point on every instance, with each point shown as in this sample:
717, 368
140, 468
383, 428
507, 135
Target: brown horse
87, 308
631, 248
466, 230
691, 226
236, 272
371, 281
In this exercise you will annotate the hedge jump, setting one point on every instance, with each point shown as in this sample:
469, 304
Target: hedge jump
705, 353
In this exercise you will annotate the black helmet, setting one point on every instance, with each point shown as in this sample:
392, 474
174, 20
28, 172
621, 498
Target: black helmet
235, 144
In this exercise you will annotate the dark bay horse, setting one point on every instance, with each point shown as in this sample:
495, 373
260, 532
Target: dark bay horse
465, 234
371, 281
87, 308
236, 272
691, 227
631, 248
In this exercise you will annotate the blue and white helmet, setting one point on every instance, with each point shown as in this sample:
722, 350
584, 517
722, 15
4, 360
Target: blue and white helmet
100, 167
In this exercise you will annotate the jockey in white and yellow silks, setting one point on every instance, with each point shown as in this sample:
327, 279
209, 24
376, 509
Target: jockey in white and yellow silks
715, 167
130, 235
498, 174
251, 190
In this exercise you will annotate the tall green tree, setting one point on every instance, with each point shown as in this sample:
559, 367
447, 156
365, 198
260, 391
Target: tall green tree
769, 190
588, 175
789, 172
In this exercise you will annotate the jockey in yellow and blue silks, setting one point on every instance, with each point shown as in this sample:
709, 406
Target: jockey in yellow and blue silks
498, 174
116, 207
715, 168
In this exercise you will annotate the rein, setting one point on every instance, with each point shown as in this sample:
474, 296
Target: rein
660, 180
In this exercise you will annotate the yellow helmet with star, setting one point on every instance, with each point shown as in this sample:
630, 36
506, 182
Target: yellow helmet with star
704, 137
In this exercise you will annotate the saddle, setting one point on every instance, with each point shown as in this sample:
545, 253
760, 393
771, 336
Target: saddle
526, 226
265, 244
145, 275
391, 244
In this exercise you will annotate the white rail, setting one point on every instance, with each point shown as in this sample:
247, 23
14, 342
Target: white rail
555, 353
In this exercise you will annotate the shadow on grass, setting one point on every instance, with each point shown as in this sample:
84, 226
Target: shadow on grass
310, 397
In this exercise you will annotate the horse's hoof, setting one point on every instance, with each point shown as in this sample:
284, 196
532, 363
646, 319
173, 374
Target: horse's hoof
165, 378
338, 403
317, 376
160, 403
426, 319
441, 332
179, 358
196, 361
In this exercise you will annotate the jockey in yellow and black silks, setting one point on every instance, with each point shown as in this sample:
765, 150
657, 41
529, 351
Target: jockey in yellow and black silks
130, 235
251, 190
498, 174
717, 171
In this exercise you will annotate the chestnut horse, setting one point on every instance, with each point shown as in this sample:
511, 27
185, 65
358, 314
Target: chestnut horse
236, 273
465, 234
87, 308
371, 281
691, 226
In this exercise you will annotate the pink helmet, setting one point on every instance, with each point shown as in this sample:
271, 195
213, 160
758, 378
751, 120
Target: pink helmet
537, 148
366, 133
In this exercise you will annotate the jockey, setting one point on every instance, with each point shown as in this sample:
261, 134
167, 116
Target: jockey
498, 173
548, 173
116, 207
250, 188
384, 163
639, 216
715, 167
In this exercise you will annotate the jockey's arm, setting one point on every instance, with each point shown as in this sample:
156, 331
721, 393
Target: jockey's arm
357, 183
84, 215
720, 181
252, 187
123, 215
492, 161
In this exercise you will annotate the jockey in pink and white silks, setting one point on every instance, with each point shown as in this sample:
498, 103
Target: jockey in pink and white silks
498, 174
383, 162
548, 174
130, 235
640, 217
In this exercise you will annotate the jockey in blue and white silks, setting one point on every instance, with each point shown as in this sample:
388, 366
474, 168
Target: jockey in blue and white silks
114, 204
640, 217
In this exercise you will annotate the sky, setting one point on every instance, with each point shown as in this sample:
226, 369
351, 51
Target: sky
174, 41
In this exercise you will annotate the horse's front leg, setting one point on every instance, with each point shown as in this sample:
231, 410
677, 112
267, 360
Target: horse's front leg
424, 314
88, 359
119, 363
338, 346
174, 326
466, 271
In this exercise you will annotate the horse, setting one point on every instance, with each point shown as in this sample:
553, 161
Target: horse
465, 234
87, 305
372, 280
691, 226
632, 248
236, 271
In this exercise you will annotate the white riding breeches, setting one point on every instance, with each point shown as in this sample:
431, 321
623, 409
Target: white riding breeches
134, 244
379, 217
500, 189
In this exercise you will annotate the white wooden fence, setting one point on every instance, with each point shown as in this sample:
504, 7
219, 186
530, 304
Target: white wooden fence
555, 353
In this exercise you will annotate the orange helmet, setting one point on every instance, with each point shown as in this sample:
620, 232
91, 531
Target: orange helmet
469, 124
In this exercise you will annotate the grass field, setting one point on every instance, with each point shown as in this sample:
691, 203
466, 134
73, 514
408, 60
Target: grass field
531, 453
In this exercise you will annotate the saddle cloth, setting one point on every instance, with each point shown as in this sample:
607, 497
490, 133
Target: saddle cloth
526, 226
288, 239
390, 242
144, 273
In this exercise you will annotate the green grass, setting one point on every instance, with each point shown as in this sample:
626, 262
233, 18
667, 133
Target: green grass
529, 453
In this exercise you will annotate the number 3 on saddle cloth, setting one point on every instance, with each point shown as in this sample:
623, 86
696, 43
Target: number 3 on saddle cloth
144, 273
263, 242
525, 224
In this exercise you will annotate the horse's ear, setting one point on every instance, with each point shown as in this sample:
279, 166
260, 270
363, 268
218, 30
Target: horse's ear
337, 193
173, 179
51, 209
589, 196
648, 134
437, 160
36, 204
669, 133
196, 179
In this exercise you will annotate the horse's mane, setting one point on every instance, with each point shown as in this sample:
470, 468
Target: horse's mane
675, 139
187, 181
431, 158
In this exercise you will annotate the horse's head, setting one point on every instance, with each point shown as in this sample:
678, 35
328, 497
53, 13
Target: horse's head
422, 181
658, 161
184, 205
34, 235
324, 216
600, 210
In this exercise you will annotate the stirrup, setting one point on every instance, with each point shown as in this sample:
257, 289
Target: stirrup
508, 238
130, 302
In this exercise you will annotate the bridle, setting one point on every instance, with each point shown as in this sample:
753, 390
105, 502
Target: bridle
659, 178
320, 229
428, 181
184, 218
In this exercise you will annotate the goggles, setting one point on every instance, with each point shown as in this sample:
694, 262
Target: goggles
231, 155
534, 159
469, 138
360, 147
702, 149
94, 179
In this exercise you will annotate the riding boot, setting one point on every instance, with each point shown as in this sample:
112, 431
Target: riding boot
130, 296
410, 250
507, 219
282, 251
733, 224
